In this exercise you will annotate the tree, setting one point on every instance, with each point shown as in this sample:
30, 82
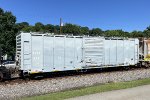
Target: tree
28, 29
84, 30
22, 25
146, 32
110, 33
116, 33
148, 28
136, 34
39, 27
96, 32
56, 29
72, 29
8, 32
49, 28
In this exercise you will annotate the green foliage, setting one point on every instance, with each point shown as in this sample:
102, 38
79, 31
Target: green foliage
116, 33
49, 28
146, 32
39, 27
84, 30
8, 30
28, 29
136, 34
71, 29
96, 32
56, 29
22, 25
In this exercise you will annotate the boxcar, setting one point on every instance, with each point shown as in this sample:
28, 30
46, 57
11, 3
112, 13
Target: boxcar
39, 53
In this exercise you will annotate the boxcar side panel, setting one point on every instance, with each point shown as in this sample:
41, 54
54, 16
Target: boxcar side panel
127, 52
58, 53
113, 51
131, 52
78, 53
120, 52
107, 53
93, 51
25, 52
137, 51
69, 53
48, 54
37, 53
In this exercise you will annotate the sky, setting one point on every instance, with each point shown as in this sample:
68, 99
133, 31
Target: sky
128, 15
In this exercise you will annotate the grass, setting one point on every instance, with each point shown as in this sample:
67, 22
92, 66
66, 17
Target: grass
90, 90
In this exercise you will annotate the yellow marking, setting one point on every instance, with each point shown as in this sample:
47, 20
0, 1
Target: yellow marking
77, 69
55, 71
146, 59
35, 72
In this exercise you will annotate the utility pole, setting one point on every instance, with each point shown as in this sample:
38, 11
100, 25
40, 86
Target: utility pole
61, 25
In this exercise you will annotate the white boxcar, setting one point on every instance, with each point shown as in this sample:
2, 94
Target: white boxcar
48, 53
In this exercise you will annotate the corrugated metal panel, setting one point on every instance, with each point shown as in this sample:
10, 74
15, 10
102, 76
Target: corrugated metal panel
56, 53
93, 51
73, 53
37, 53
25, 51
69, 53
78, 53
113, 52
27, 55
59, 53
121, 52
129, 52
48, 53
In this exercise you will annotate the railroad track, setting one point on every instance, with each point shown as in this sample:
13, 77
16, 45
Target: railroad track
67, 74
18, 88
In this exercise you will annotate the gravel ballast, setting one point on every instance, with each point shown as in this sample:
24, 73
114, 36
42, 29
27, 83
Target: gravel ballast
19, 90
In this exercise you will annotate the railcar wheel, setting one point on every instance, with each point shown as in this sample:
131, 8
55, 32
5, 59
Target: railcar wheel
1, 76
